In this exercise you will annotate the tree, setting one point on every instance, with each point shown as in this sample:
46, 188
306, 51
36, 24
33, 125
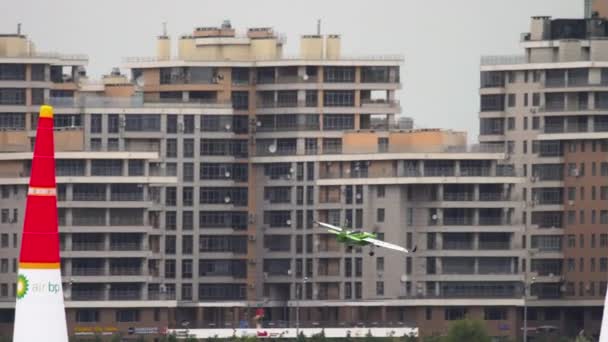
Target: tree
467, 330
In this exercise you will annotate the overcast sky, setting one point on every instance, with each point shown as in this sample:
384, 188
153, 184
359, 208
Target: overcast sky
442, 40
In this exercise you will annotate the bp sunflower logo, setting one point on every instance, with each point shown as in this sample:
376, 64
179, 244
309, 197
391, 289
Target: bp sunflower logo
22, 286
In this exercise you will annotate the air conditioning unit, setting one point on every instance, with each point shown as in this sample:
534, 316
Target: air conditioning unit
252, 286
533, 110
533, 179
251, 237
576, 173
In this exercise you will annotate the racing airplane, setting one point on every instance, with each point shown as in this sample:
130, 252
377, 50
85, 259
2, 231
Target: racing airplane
358, 238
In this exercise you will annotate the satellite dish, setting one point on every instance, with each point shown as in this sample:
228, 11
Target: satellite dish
305, 77
434, 217
227, 127
272, 148
140, 81
227, 199
227, 174
404, 278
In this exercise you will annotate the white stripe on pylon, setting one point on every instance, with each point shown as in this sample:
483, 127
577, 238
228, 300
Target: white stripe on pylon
40, 311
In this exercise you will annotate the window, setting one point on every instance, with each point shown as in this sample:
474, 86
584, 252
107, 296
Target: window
187, 194
495, 314
380, 191
240, 100
358, 290
188, 172
511, 100
113, 123
186, 291
95, 123
187, 244
380, 215
87, 315
380, 264
171, 148
348, 290
170, 269
510, 124
535, 122
455, 313
188, 148
187, 268
339, 98
170, 220
536, 99
339, 74
379, 288
187, 220
170, 244
127, 315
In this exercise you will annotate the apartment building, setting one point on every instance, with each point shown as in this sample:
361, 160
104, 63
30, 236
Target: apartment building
237, 149
548, 107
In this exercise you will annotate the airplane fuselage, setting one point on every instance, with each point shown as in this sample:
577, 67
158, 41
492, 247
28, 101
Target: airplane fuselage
354, 238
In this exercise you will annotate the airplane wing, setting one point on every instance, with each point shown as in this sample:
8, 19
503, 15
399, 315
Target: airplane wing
383, 244
329, 226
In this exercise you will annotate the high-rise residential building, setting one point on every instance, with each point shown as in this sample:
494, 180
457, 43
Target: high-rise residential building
549, 108
187, 192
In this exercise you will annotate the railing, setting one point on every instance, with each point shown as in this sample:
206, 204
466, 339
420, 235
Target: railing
125, 295
457, 269
388, 57
125, 271
458, 221
474, 171
54, 55
88, 246
126, 221
89, 196
134, 102
127, 196
439, 172
600, 126
458, 196
492, 196
504, 60
126, 246
88, 271
494, 245
490, 220
89, 221
87, 295
457, 245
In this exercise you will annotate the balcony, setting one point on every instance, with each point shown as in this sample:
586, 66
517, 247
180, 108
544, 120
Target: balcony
494, 245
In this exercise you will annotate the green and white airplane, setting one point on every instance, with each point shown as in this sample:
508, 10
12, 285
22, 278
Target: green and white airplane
358, 238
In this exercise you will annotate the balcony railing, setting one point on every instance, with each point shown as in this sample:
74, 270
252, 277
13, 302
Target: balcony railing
457, 245
125, 295
87, 295
88, 246
89, 196
490, 220
125, 271
458, 221
88, 271
126, 246
458, 196
492, 196
494, 245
